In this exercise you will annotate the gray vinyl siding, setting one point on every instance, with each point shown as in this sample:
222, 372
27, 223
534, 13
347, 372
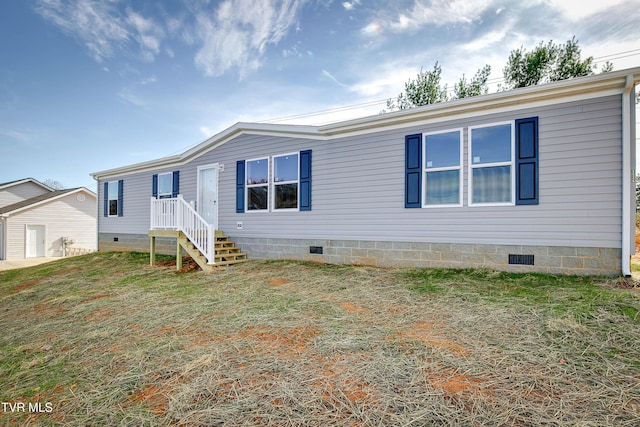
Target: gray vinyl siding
20, 192
64, 217
358, 187
2, 256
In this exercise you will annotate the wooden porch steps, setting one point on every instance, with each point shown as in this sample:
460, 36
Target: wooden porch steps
225, 251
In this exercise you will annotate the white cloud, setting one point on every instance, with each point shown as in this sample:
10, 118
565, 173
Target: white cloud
238, 32
438, 12
206, 131
350, 5
577, 10
102, 28
333, 79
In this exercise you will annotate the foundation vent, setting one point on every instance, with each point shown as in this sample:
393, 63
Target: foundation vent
315, 249
521, 259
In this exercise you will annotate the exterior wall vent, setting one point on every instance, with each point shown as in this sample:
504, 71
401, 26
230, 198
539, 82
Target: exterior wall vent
521, 259
315, 250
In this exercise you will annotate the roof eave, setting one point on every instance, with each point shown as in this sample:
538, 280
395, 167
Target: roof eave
240, 128
42, 202
567, 90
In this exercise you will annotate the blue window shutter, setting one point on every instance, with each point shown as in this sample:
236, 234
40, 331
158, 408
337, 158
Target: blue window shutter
106, 199
154, 186
240, 186
305, 180
413, 171
176, 184
120, 196
527, 161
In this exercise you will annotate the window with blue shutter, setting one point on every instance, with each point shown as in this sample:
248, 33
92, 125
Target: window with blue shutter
120, 197
413, 171
154, 186
527, 192
106, 199
165, 185
175, 184
113, 197
305, 180
240, 186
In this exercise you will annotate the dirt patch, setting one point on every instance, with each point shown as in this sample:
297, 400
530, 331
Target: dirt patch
352, 308
285, 343
431, 335
277, 282
93, 298
47, 309
27, 284
99, 314
454, 383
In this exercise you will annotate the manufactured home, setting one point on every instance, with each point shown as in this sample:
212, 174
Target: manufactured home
38, 221
533, 179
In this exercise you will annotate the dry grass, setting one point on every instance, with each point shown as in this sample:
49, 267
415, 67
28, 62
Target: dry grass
110, 341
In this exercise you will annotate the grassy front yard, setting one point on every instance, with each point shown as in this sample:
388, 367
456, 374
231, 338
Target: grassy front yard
103, 339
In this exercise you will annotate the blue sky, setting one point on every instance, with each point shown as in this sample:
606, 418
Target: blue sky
88, 85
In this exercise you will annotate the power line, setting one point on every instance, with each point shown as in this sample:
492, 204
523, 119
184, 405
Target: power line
495, 80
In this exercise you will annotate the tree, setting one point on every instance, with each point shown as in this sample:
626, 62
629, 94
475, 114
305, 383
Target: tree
424, 90
56, 185
477, 85
547, 63
427, 89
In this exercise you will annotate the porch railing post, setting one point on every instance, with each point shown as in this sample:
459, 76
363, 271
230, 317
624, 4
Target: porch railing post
211, 239
179, 223
153, 214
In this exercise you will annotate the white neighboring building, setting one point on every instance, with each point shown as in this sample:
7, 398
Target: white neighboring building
36, 221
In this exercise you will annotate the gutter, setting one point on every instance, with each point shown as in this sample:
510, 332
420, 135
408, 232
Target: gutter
626, 176
97, 180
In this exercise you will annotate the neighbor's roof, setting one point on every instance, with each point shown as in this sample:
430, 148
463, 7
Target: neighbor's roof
42, 199
580, 88
4, 185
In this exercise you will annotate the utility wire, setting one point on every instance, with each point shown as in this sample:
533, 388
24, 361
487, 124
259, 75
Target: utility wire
382, 102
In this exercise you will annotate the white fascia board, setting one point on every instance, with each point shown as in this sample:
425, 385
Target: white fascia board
23, 181
45, 201
267, 129
575, 89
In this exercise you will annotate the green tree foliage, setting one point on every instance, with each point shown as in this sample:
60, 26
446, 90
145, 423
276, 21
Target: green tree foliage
424, 90
547, 63
427, 89
477, 85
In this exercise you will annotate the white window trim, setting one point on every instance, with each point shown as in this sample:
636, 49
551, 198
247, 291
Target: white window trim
487, 165
113, 197
447, 168
170, 193
274, 183
247, 185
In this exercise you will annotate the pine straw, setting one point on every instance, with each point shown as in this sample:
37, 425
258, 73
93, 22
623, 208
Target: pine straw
291, 344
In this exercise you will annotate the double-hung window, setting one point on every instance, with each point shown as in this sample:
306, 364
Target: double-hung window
285, 181
491, 175
113, 190
443, 169
258, 184
165, 185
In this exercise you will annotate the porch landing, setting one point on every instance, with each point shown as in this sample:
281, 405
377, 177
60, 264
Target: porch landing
225, 251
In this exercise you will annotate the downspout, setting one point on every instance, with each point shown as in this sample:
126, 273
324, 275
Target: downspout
626, 177
97, 180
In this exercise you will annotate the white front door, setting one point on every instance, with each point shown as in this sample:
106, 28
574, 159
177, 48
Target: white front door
35, 241
208, 194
